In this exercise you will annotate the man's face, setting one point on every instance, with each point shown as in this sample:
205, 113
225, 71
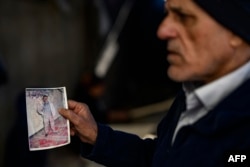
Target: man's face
45, 98
199, 48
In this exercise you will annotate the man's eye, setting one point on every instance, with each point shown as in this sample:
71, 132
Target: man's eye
182, 17
166, 12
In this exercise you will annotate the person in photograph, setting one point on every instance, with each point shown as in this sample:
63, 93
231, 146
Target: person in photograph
208, 44
47, 110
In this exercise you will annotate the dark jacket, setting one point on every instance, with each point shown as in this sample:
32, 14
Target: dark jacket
223, 131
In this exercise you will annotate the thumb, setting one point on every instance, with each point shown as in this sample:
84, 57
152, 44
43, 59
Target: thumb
68, 114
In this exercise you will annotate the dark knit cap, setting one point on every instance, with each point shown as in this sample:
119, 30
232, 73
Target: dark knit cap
232, 14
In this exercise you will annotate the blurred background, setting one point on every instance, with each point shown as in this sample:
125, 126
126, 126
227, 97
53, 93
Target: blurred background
105, 52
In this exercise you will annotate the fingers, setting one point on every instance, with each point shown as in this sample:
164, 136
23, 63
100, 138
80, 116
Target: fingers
72, 117
78, 108
65, 113
75, 110
82, 121
72, 104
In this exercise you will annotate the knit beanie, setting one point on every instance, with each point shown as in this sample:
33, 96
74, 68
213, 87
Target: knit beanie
232, 14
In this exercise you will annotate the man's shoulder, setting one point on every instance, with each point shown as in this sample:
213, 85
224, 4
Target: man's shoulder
239, 97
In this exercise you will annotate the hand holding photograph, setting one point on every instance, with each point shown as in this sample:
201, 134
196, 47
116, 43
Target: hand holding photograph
46, 127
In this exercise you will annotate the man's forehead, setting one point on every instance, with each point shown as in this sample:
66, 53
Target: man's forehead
180, 4
175, 2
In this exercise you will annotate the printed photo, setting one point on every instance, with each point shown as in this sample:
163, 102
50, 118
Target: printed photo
46, 127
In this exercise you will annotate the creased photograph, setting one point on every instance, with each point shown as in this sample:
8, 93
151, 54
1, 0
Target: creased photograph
46, 127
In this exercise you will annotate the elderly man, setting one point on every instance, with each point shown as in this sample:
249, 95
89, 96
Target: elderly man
209, 52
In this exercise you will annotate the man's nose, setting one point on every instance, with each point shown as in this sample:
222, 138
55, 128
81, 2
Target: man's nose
166, 30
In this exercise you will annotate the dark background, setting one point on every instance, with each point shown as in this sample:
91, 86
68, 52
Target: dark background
51, 43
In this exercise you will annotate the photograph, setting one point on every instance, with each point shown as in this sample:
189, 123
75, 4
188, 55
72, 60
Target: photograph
46, 127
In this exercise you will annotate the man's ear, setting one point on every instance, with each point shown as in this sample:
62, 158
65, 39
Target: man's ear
235, 41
